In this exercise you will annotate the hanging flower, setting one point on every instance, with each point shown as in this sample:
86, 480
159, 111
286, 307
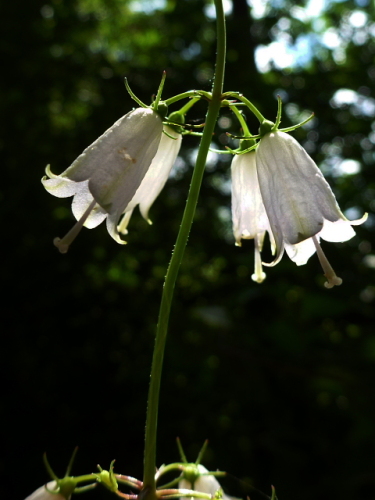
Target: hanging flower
204, 482
106, 176
249, 216
155, 178
300, 205
50, 491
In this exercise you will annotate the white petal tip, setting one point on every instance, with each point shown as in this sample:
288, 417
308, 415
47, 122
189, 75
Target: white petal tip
359, 221
238, 243
119, 240
62, 247
258, 278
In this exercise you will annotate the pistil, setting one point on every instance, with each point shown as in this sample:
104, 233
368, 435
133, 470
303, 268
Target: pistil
258, 275
329, 273
63, 243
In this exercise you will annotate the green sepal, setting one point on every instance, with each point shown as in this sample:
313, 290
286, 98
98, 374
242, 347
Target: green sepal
133, 96
273, 496
202, 452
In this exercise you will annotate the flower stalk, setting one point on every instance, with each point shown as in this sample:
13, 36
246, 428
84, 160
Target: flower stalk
149, 486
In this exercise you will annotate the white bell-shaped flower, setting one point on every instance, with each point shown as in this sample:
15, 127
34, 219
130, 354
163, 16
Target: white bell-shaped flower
46, 493
249, 216
205, 483
106, 176
155, 178
300, 205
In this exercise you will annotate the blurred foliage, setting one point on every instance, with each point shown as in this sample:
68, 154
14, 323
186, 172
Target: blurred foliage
279, 376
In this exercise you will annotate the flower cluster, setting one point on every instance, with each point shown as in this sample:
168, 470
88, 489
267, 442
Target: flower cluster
276, 188
279, 189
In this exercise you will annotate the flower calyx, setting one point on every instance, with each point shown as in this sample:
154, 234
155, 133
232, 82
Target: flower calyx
266, 127
107, 478
176, 121
61, 488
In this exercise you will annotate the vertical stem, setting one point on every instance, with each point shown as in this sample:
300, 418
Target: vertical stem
177, 255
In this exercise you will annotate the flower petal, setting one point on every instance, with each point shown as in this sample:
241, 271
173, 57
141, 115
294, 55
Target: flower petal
108, 145
296, 196
158, 173
117, 162
340, 230
81, 201
248, 213
43, 494
154, 180
300, 252
112, 228
58, 186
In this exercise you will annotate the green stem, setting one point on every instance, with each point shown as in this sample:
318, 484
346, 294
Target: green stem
86, 477
188, 105
248, 103
149, 486
240, 118
190, 93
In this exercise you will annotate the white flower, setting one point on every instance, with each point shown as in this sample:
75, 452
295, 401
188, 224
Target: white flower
300, 205
249, 216
105, 178
155, 178
42, 493
205, 483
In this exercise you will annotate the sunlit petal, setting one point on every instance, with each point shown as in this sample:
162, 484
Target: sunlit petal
249, 217
81, 201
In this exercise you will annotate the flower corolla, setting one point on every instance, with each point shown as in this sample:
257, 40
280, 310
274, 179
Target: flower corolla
155, 178
249, 216
110, 177
300, 205
50, 491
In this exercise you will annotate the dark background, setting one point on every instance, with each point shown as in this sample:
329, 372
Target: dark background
280, 376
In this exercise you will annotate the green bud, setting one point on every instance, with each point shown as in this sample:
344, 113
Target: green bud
162, 109
266, 127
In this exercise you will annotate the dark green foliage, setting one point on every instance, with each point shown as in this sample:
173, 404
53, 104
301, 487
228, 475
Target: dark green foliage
279, 376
